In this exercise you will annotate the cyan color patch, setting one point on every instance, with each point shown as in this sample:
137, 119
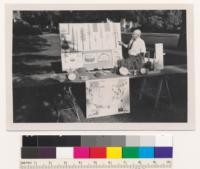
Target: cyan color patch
146, 152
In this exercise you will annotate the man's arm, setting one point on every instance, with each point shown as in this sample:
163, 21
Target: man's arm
123, 44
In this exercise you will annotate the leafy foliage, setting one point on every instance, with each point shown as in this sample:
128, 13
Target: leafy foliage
147, 20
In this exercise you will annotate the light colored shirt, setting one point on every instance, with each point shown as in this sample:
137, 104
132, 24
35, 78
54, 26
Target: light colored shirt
136, 47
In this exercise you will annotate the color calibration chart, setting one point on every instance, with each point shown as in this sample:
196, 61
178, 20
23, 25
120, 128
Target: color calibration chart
60, 152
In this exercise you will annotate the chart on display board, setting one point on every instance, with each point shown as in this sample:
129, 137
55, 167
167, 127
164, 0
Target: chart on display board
115, 92
90, 45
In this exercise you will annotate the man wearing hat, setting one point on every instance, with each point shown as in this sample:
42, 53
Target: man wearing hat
136, 49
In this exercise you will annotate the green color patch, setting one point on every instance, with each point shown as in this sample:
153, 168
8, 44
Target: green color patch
130, 152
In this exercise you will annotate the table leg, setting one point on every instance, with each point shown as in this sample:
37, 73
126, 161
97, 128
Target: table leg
142, 89
158, 93
168, 92
58, 114
55, 105
68, 96
74, 103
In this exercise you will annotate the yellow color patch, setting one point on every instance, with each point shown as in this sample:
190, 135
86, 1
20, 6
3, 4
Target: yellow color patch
114, 152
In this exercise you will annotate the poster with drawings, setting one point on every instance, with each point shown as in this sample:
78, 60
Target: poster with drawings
115, 94
72, 60
90, 39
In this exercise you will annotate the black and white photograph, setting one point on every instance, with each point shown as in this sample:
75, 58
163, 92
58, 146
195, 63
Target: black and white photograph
100, 66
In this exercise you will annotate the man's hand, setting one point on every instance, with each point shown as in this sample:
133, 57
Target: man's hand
120, 43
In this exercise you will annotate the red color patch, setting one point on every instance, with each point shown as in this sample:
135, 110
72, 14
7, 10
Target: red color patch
98, 152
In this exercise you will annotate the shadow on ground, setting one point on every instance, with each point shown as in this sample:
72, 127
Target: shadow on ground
35, 54
29, 43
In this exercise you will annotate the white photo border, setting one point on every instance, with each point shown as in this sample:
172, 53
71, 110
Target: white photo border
189, 125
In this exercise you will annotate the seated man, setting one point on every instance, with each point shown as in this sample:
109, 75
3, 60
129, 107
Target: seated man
136, 49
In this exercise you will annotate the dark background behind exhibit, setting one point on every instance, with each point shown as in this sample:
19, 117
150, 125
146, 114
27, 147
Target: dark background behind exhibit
171, 21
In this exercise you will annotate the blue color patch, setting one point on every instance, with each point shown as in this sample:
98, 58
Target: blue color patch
146, 152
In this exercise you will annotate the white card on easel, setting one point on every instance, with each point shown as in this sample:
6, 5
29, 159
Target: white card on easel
159, 60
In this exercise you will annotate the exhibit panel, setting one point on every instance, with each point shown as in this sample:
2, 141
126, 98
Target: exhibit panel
90, 45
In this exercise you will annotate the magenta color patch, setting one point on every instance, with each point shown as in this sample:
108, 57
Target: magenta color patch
81, 152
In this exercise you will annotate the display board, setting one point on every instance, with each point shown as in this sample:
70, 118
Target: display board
107, 97
90, 45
